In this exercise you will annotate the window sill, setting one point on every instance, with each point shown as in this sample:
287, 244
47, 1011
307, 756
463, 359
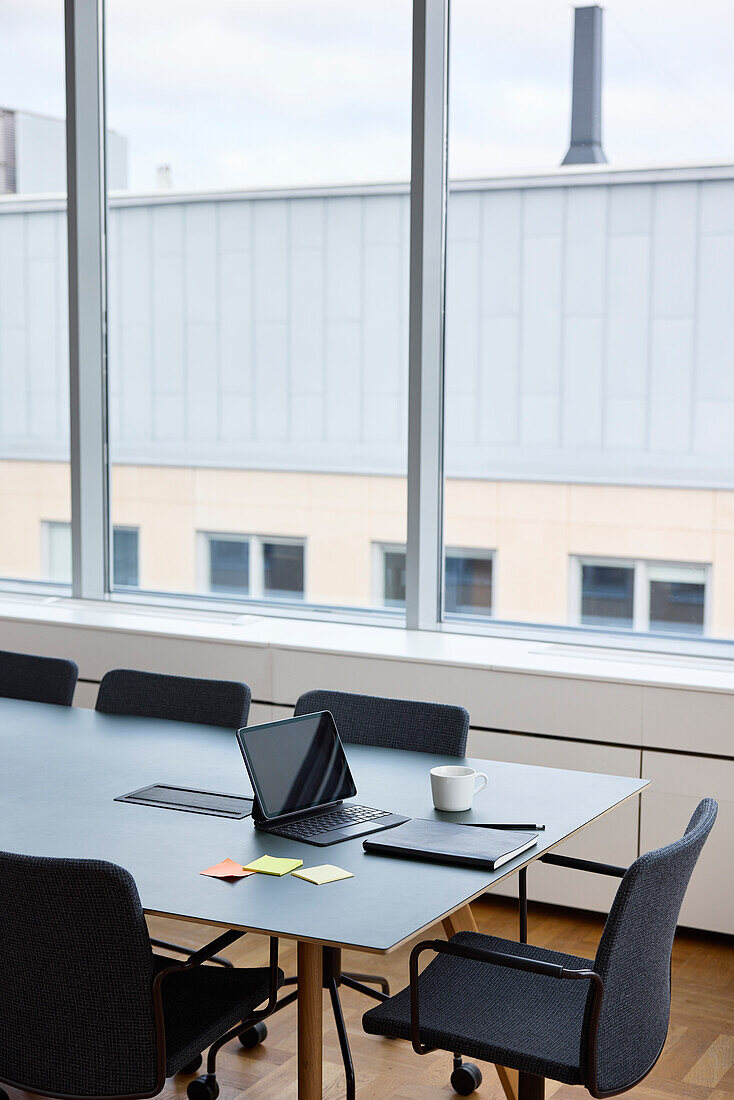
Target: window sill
532, 656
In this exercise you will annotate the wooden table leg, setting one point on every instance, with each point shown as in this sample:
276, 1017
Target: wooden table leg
463, 921
310, 1022
460, 921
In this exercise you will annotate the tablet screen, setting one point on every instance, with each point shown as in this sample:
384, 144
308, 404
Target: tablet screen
296, 764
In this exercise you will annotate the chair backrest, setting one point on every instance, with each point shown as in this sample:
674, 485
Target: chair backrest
633, 957
392, 723
38, 679
177, 698
76, 979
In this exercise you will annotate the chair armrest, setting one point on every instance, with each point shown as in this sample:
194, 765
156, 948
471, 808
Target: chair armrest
211, 949
583, 865
496, 958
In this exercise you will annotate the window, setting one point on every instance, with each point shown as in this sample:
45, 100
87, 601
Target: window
34, 343
125, 557
56, 554
229, 564
283, 569
258, 287
468, 579
252, 566
56, 551
589, 384
244, 318
607, 597
642, 596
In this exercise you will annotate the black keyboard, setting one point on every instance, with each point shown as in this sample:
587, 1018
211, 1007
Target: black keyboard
324, 823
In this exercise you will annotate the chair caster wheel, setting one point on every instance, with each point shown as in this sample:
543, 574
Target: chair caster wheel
203, 1088
193, 1065
466, 1078
253, 1036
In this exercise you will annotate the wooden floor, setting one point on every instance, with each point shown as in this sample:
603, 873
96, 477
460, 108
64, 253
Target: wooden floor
697, 1064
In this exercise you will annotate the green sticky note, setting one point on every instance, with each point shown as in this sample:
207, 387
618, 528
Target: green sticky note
273, 865
327, 872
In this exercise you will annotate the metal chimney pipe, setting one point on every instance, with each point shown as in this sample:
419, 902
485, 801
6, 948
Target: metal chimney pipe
585, 147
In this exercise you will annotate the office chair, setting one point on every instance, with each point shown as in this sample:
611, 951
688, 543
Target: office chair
600, 1023
223, 703
37, 679
94, 1012
177, 698
383, 723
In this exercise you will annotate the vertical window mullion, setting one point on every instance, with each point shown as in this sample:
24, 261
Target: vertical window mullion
87, 358
428, 188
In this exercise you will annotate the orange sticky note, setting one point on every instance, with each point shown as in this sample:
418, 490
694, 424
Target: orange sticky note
226, 869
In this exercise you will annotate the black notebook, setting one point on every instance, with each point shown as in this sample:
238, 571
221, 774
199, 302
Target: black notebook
444, 842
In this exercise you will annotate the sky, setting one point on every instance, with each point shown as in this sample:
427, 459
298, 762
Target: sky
282, 93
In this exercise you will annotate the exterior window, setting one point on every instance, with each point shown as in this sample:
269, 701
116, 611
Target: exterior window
283, 569
253, 566
125, 557
607, 595
393, 577
56, 551
229, 564
640, 595
468, 582
56, 554
677, 599
468, 579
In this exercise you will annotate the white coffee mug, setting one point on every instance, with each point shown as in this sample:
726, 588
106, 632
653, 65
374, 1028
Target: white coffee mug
454, 786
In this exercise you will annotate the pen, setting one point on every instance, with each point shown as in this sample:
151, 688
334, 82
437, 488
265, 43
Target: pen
521, 827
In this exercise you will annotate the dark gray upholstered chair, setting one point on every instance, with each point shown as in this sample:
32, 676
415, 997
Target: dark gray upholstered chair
37, 679
137, 694
89, 1010
178, 698
600, 1023
391, 724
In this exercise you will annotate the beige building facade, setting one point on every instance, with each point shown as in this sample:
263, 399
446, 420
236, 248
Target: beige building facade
538, 534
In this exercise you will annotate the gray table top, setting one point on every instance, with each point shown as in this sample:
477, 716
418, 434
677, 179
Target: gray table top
62, 768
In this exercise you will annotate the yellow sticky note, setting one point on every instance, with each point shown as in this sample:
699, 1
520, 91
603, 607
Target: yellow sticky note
273, 865
325, 873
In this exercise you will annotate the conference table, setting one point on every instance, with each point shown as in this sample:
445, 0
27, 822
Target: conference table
62, 769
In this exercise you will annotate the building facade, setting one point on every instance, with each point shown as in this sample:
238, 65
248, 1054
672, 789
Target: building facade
258, 395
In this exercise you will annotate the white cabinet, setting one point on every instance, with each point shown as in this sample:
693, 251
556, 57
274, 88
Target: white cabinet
85, 694
678, 784
611, 839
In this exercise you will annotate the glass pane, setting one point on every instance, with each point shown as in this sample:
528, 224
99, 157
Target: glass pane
589, 380
607, 595
125, 556
393, 573
468, 582
34, 353
57, 552
229, 565
283, 569
258, 288
676, 606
